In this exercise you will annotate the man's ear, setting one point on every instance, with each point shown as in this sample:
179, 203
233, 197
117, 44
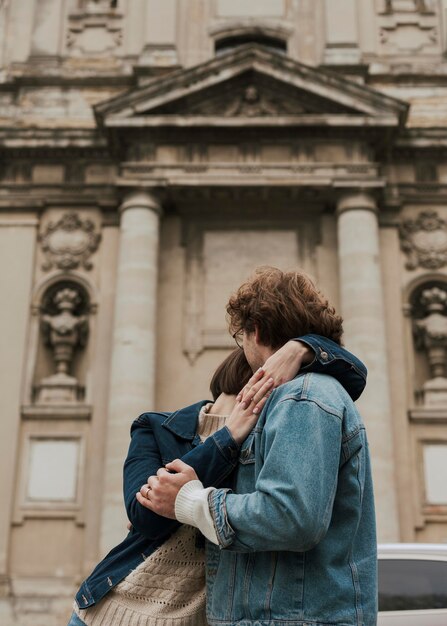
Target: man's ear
257, 337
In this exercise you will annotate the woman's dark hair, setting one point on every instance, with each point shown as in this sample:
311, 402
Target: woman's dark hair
231, 375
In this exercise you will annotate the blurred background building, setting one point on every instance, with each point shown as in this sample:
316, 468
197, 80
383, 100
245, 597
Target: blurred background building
152, 154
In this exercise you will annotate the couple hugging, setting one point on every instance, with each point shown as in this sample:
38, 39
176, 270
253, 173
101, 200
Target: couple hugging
257, 508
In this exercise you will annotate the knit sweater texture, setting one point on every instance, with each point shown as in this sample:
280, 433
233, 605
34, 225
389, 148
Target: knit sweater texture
168, 588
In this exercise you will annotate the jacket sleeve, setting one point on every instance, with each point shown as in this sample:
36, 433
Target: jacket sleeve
213, 461
291, 506
336, 361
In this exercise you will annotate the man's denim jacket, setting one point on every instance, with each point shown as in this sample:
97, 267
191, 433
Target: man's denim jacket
297, 536
158, 438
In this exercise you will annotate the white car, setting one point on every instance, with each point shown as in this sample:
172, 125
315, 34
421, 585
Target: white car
412, 584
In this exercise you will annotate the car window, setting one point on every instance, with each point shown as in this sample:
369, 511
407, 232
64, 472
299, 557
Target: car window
406, 585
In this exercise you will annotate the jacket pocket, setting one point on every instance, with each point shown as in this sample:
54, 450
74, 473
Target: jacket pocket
287, 586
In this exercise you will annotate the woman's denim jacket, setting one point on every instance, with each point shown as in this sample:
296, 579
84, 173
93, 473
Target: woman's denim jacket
297, 537
158, 438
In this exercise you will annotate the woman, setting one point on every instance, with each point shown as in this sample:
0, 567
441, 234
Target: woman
156, 575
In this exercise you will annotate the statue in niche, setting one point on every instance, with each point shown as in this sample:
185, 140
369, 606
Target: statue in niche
63, 332
431, 336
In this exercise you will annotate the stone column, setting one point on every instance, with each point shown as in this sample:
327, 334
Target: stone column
133, 349
362, 307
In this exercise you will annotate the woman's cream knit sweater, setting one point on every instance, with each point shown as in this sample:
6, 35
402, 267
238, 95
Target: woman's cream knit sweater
168, 588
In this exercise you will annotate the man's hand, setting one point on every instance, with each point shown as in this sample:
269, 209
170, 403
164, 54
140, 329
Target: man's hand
160, 491
281, 367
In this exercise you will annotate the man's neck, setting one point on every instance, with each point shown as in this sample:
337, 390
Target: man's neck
264, 353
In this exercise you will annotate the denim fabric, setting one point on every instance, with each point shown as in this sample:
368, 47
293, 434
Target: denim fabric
156, 439
297, 536
338, 363
75, 621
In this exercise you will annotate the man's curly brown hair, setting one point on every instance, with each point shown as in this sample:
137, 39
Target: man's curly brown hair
282, 306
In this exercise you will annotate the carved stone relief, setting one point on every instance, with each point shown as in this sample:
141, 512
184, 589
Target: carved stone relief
255, 100
408, 26
252, 103
430, 335
64, 330
69, 243
424, 240
95, 30
408, 38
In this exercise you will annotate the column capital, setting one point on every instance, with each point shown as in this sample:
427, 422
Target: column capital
140, 199
356, 201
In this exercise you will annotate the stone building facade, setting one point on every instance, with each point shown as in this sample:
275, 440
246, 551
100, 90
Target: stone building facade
152, 154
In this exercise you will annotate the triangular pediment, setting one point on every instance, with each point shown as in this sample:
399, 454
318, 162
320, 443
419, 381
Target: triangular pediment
251, 94
250, 82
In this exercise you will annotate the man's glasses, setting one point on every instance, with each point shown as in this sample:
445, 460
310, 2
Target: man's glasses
238, 337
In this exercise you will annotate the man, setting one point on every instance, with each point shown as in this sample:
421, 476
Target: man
296, 537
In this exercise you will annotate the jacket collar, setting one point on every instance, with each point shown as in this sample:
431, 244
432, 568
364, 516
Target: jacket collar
183, 422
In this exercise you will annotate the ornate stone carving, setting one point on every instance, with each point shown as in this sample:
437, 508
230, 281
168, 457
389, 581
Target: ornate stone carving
424, 240
63, 330
408, 26
251, 104
251, 101
408, 37
69, 242
431, 336
95, 30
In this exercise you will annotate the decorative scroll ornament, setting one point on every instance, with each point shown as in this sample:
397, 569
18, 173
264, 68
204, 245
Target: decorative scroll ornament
424, 240
69, 243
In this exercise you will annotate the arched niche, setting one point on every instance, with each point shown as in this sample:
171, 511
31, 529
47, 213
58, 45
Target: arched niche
41, 362
47, 284
426, 311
